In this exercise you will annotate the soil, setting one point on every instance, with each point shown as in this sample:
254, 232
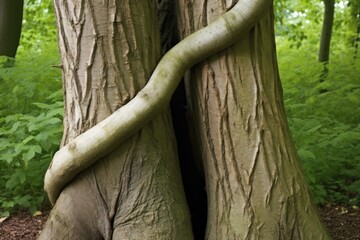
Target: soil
343, 223
21, 225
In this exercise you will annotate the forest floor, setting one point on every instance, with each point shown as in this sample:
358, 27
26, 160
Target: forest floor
343, 223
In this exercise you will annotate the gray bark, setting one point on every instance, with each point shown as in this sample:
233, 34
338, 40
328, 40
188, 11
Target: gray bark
87, 148
255, 186
109, 49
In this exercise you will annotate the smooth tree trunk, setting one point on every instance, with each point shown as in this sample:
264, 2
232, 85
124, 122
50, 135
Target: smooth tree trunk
255, 185
109, 50
11, 12
325, 39
326, 32
356, 18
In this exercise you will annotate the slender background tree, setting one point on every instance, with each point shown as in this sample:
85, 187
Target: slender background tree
11, 13
325, 39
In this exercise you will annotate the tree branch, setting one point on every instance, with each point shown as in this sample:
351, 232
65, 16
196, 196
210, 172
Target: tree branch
89, 147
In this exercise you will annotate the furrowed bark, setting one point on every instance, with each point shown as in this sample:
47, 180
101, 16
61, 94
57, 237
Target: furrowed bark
255, 186
87, 148
109, 50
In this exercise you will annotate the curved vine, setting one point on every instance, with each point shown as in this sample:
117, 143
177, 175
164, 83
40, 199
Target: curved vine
89, 147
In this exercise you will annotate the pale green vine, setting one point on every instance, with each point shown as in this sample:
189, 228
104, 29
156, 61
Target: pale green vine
89, 147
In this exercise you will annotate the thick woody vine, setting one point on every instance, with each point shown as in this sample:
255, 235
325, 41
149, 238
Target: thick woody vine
89, 147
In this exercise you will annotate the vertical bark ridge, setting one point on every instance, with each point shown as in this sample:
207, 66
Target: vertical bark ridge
204, 13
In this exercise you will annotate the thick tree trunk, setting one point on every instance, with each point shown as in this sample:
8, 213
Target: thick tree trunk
255, 186
109, 50
11, 12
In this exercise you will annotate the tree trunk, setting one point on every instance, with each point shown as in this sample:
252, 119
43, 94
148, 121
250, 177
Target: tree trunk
255, 186
109, 50
356, 16
325, 40
11, 12
326, 32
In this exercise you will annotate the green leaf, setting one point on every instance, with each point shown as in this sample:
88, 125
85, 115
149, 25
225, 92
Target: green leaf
37, 148
8, 157
8, 204
314, 129
54, 121
28, 139
42, 105
5, 214
306, 154
15, 127
16, 90
22, 178
33, 127
311, 178
54, 112
26, 157
23, 201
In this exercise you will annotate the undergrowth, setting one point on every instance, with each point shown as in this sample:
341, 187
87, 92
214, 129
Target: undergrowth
30, 127
324, 120
27, 144
31, 111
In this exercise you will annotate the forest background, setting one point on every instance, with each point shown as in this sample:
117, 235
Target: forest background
322, 102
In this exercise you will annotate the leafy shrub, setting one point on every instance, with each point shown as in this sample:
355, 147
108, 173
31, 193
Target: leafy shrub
330, 156
27, 144
324, 124
32, 77
30, 110
30, 80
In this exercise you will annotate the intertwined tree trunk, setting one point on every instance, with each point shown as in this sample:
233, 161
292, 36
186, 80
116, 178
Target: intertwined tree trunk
109, 49
255, 186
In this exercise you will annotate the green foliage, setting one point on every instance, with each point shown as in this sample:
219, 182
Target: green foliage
30, 80
298, 20
294, 18
323, 116
27, 143
30, 111
324, 119
38, 24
